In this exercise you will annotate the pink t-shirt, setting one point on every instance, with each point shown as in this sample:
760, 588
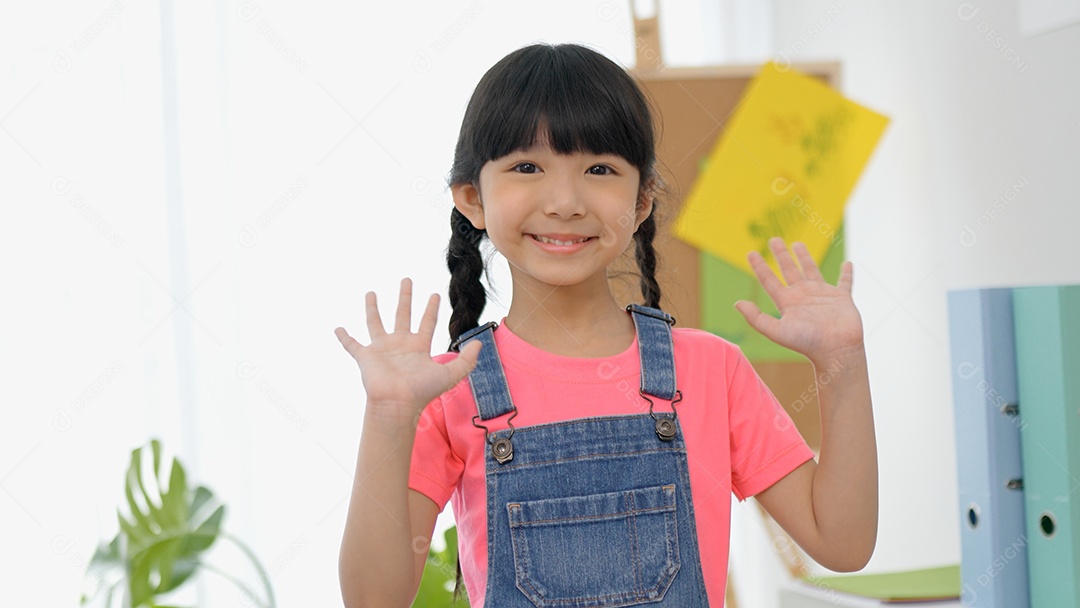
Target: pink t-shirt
738, 437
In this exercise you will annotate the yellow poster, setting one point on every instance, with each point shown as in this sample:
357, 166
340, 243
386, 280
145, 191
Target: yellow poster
784, 166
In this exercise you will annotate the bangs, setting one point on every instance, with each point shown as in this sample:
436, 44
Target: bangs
573, 98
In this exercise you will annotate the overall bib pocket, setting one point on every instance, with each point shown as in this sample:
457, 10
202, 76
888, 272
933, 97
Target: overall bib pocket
600, 550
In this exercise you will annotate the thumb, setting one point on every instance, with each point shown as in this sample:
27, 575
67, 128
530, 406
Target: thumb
348, 342
760, 321
466, 360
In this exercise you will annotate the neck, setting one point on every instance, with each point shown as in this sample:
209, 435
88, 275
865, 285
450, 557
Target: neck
582, 320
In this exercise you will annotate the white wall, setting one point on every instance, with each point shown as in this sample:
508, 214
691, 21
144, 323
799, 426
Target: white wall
973, 185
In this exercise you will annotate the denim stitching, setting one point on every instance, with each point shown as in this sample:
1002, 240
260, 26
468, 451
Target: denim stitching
632, 522
521, 569
495, 468
578, 421
600, 517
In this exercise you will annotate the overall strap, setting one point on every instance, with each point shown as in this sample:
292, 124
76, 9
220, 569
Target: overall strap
656, 350
488, 380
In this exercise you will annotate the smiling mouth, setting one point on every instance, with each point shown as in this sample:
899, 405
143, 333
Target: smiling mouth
544, 239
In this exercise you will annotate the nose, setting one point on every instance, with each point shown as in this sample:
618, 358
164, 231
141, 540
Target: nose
564, 196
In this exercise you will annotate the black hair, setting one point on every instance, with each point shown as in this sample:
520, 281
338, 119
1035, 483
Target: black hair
584, 102
579, 101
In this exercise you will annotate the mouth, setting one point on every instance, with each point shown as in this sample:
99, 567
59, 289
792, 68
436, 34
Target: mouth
566, 241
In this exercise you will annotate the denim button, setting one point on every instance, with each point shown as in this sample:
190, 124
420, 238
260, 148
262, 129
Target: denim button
665, 429
502, 450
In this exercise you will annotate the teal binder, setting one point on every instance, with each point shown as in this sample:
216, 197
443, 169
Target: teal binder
1047, 321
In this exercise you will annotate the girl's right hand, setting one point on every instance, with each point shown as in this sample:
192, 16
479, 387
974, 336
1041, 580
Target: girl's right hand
397, 370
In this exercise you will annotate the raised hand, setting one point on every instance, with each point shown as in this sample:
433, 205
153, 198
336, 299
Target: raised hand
398, 373
817, 319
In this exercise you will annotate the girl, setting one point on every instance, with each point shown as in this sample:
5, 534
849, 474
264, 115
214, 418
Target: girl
589, 450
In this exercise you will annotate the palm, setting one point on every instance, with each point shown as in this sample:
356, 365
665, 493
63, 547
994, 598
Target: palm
817, 319
396, 368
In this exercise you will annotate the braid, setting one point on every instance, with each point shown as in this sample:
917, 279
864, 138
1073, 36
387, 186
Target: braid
646, 261
467, 295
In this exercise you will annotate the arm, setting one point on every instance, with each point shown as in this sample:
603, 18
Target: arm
829, 508
388, 526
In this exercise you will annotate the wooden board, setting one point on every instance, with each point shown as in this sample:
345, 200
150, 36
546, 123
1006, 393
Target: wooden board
691, 106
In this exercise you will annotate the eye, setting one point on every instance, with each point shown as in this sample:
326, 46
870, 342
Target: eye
527, 168
604, 170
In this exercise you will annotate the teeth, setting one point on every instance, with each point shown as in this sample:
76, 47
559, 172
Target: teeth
544, 239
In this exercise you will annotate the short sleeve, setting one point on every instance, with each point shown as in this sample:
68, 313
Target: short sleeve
434, 470
765, 445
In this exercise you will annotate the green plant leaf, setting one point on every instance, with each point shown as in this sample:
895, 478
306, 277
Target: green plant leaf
106, 557
208, 531
175, 501
162, 538
140, 588
155, 447
165, 534
140, 521
152, 509
202, 496
131, 530
167, 562
440, 571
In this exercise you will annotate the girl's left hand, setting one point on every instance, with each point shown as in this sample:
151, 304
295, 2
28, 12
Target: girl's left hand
817, 319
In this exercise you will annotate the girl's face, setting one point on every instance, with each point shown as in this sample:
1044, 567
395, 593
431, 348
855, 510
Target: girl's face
558, 219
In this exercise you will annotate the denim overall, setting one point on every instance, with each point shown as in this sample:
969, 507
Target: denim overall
592, 511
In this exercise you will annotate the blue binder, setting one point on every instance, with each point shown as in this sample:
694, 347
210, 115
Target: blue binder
1047, 323
993, 565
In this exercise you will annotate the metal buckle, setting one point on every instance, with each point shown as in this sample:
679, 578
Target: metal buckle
651, 312
472, 332
502, 449
665, 427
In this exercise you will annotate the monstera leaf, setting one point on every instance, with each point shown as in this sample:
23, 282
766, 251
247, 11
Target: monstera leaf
163, 537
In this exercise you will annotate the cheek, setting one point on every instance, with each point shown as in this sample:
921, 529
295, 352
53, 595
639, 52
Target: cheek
499, 221
617, 237
610, 237
618, 229
503, 230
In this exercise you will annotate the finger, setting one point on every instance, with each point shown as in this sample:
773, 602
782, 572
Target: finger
809, 267
374, 322
465, 361
403, 319
348, 342
763, 323
784, 260
765, 275
847, 276
431, 316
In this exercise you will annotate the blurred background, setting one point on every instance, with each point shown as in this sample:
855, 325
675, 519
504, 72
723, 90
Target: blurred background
197, 193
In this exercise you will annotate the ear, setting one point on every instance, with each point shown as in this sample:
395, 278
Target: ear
645, 202
467, 201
